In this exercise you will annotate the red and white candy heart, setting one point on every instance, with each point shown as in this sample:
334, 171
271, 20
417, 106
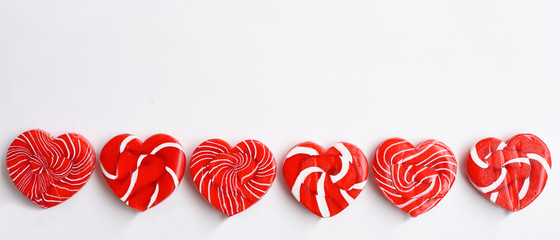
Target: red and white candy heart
49, 170
232, 179
143, 174
325, 182
511, 175
414, 179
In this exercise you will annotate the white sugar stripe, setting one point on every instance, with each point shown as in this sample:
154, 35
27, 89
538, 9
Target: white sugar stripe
248, 175
131, 186
387, 149
541, 160
501, 146
432, 184
495, 184
476, 159
386, 184
139, 162
419, 205
65, 145
321, 185
321, 197
406, 203
302, 150
23, 171
30, 144
399, 153
125, 142
301, 177
518, 160
154, 196
345, 159
107, 174
164, 145
73, 147
358, 185
417, 154
346, 197
406, 174
385, 191
524, 189
493, 197
133, 179
173, 175
429, 159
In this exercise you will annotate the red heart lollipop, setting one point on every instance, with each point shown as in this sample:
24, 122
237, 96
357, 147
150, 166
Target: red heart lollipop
232, 179
49, 170
510, 175
415, 179
143, 174
325, 182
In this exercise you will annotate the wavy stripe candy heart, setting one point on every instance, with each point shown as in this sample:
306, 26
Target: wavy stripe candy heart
49, 170
143, 174
510, 175
414, 179
232, 179
325, 182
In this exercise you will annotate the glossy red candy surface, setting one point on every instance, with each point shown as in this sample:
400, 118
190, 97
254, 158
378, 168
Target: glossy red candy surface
414, 179
232, 179
49, 170
143, 174
512, 174
325, 181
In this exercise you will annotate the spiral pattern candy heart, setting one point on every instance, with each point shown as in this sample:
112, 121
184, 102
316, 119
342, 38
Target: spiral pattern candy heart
143, 174
49, 170
232, 179
510, 175
325, 182
415, 179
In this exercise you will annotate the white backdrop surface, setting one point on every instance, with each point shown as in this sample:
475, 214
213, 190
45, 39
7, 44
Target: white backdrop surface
281, 72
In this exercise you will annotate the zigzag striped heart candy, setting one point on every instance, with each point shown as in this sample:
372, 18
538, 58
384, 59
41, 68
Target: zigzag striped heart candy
143, 174
49, 170
325, 182
510, 175
414, 179
232, 179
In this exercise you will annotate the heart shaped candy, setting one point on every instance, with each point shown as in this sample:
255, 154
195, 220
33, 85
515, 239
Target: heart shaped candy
232, 179
143, 174
510, 175
49, 170
325, 182
415, 179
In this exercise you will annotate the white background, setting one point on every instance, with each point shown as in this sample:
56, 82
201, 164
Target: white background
282, 72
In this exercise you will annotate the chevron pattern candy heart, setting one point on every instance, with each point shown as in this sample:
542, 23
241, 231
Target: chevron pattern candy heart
325, 182
49, 170
143, 174
232, 179
510, 175
415, 179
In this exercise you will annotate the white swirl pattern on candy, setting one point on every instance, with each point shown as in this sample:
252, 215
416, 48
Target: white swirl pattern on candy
397, 178
345, 161
134, 177
49, 173
492, 188
232, 179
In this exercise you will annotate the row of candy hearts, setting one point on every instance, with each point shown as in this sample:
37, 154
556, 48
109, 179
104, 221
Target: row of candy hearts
50, 170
